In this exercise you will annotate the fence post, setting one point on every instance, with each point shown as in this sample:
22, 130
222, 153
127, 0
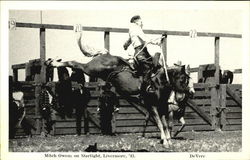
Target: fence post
42, 54
214, 105
40, 78
217, 59
15, 75
107, 40
223, 98
215, 96
164, 49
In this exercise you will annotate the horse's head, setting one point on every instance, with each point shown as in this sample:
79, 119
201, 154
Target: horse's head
180, 79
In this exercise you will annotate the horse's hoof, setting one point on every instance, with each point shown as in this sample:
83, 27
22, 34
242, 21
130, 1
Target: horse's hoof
166, 145
169, 142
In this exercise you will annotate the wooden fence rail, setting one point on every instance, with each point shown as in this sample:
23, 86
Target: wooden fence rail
125, 30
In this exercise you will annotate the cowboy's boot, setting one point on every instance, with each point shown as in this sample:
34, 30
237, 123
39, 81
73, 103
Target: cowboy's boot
150, 88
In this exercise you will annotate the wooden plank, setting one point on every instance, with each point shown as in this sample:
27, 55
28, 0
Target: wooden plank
235, 97
136, 129
18, 66
237, 71
132, 122
199, 111
235, 86
232, 103
128, 122
123, 110
196, 69
199, 127
130, 116
192, 115
234, 121
124, 103
202, 94
233, 127
201, 85
208, 34
204, 108
233, 109
72, 131
125, 30
27, 83
231, 115
202, 102
70, 124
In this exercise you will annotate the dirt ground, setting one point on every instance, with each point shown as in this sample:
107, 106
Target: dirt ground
185, 142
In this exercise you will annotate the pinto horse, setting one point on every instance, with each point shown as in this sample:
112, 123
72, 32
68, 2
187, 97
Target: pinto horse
117, 71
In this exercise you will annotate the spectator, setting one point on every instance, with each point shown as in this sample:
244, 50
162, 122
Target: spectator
47, 105
108, 103
64, 91
81, 97
17, 113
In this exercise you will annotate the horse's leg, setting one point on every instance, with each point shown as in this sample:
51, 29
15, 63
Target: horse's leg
166, 129
71, 64
170, 122
147, 117
183, 123
160, 126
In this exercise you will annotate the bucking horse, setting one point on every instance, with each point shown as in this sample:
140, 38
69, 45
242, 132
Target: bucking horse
121, 75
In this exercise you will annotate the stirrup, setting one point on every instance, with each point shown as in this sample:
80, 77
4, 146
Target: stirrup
149, 89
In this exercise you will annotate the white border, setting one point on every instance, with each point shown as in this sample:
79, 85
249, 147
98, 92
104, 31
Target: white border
38, 5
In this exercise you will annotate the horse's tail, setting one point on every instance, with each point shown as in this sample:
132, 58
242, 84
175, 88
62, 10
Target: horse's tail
79, 40
88, 50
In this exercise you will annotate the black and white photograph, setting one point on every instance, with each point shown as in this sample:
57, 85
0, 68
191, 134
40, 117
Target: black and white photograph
124, 80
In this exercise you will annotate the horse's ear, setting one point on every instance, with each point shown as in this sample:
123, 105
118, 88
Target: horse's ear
187, 70
183, 69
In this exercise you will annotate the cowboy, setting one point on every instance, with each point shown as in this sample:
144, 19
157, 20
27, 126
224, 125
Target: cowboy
80, 97
47, 104
145, 49
108, 103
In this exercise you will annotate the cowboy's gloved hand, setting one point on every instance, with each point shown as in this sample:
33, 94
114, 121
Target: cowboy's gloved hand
164, 35
125, 46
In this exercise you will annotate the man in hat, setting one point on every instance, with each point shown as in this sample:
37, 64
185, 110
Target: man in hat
141, 43
81, 97
46, 104
108, 103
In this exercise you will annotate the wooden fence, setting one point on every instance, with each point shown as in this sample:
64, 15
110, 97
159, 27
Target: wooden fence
209, 99
199, 114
